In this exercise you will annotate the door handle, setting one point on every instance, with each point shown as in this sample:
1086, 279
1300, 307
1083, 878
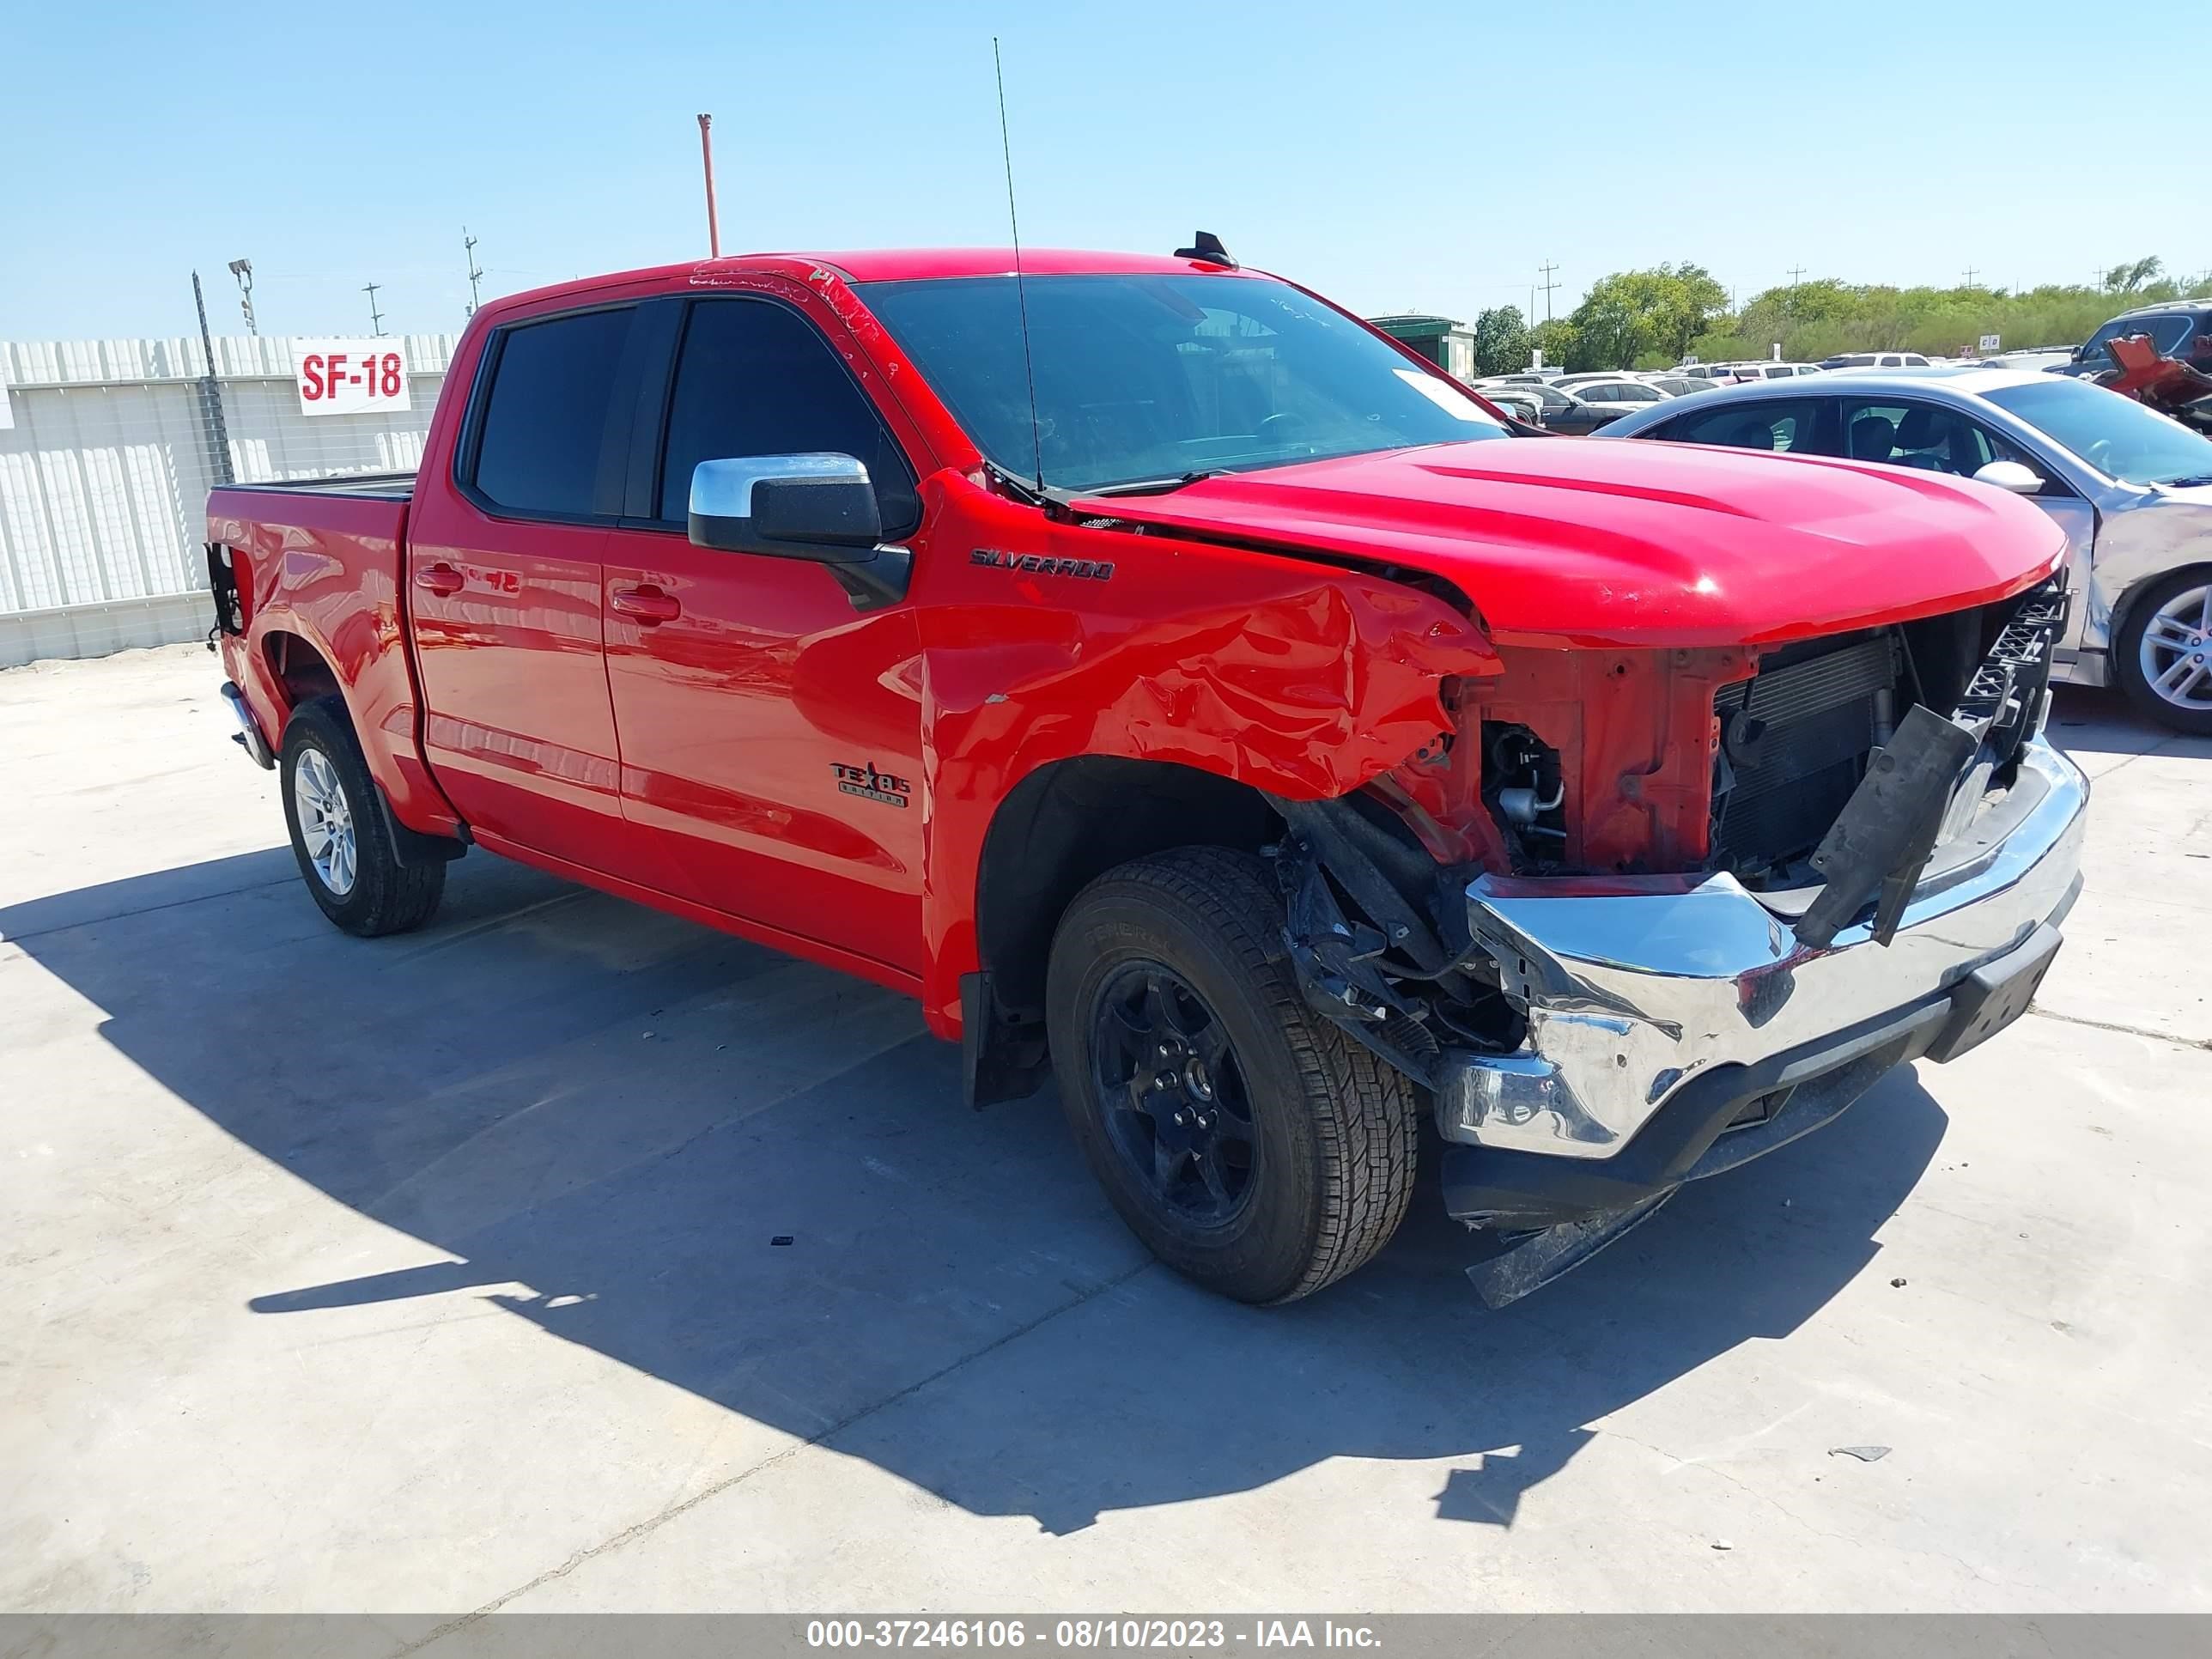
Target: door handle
646, 604
440, 579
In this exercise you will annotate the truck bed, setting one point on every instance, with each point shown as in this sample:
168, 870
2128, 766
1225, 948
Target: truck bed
369, 486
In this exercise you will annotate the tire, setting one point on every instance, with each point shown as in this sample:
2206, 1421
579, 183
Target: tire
370, 892
2129, 651
1327, 1131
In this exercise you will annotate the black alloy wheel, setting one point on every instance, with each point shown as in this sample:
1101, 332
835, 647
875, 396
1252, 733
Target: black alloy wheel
1181, 1116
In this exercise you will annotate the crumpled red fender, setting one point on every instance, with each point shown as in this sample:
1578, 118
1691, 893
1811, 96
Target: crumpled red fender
1299, 678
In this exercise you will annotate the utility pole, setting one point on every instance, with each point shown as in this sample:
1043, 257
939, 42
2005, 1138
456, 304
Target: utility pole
243, 270
1547, 268
476, 272
706, 157
211, 395
1795, 273
375, 317
1971, 274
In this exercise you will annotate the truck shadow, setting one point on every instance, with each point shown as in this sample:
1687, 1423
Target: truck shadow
755, 1180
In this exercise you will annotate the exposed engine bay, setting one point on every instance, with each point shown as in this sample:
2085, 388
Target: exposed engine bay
1686, 762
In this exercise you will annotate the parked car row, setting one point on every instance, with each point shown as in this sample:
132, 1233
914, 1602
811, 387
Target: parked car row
1577, 404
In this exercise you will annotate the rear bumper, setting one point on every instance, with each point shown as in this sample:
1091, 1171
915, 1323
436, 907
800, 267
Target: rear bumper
1663, 1011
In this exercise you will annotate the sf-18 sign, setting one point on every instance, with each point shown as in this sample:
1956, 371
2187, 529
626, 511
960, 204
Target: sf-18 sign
351, 376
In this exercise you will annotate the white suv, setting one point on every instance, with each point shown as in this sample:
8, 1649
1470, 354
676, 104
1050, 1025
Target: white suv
1874, 360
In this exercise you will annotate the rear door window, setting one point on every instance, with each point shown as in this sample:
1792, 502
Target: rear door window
1780, 424
542, 437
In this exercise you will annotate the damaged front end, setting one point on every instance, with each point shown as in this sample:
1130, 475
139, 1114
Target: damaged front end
1641, 919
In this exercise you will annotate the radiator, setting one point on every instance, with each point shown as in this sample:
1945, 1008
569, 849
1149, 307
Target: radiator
1775, 798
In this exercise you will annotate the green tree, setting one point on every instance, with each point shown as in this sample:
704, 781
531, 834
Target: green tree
1556, 338
1633, 312
2127, 278
1501, 341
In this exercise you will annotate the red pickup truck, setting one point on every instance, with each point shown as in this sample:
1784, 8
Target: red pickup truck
1190, 693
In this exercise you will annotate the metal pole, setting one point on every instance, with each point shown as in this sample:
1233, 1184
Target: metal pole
375, 317
211, 395
243, 270
706, 155
475, 271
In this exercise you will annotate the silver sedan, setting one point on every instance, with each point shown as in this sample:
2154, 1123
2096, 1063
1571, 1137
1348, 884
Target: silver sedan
2132, 488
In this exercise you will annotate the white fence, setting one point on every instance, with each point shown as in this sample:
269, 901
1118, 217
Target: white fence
106, 456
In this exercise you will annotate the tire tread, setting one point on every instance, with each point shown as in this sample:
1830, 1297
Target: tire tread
1365, 1115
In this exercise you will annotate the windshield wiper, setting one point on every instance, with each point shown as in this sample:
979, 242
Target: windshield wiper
1155, 486
2189, 483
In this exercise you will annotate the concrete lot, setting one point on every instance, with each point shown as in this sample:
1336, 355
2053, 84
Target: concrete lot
433, 1274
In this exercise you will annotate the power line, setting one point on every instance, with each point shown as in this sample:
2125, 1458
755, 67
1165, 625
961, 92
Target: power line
1547, 268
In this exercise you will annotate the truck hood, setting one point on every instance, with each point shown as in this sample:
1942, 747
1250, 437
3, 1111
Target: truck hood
1582, 542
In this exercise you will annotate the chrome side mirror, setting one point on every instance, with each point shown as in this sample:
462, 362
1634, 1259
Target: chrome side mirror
2011, 475
820, 507
816, 506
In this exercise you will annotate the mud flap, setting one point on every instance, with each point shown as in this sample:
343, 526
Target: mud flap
1540, 1258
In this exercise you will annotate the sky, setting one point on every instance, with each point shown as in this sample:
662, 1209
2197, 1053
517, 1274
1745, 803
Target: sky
1414, 157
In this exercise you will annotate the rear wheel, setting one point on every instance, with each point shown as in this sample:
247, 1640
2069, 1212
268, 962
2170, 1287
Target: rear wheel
339, 836
1248, 1143
2164, 653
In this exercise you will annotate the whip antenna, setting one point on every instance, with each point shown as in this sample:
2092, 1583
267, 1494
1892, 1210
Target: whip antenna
1021, 293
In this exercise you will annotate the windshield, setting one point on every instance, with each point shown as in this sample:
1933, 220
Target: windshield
1145, 379
2115, 434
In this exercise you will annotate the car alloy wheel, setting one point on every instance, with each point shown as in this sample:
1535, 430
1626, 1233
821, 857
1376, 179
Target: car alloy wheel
2175, 655
326, 822
1178, 1113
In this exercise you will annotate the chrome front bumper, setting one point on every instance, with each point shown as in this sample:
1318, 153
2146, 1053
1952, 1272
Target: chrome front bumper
1635, 986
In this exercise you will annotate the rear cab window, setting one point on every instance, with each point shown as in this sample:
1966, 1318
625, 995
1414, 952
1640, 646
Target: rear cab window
545, 441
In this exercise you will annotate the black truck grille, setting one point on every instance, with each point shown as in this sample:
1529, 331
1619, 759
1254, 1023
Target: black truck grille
1795, 739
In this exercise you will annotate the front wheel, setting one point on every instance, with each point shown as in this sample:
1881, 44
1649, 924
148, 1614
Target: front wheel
338, 832
1248, 1143
2164, 653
